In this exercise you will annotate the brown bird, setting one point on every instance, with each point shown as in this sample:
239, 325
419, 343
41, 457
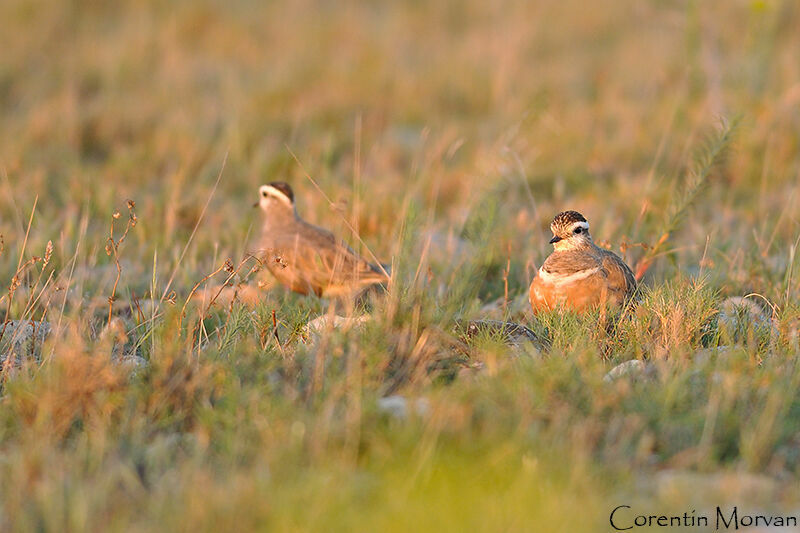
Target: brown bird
579, 275
306, 258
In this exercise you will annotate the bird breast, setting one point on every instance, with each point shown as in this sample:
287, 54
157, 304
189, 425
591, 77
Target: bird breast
565, 279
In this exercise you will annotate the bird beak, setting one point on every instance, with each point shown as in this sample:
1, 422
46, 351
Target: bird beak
255, 204
555, 239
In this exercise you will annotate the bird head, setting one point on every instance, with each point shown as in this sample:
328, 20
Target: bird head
570, 230
275, 196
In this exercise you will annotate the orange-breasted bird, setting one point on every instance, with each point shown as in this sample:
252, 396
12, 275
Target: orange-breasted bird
579, 275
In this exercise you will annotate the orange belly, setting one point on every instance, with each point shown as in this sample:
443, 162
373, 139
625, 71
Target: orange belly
580, 295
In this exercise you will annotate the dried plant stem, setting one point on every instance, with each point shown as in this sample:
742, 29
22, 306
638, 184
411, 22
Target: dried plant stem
27, 233
232, 272
112, 250
506, 272
194, 290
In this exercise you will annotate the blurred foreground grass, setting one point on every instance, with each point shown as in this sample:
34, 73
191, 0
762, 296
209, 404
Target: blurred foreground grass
449, 133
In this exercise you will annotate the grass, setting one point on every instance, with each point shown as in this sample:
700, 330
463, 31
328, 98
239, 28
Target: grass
447, 135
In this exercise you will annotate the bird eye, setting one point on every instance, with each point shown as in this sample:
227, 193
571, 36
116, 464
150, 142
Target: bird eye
264, 194
578, 230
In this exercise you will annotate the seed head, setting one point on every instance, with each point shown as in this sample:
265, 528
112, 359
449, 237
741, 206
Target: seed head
48, 252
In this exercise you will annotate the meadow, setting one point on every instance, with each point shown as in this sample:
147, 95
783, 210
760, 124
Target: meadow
134, 135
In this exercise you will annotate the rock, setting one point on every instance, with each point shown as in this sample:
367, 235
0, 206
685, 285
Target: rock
324, 322
706, 355
515, 335
632, 369
23, 339
741, 317
114, 333
122, 351
334, 322
133, 363
398, 406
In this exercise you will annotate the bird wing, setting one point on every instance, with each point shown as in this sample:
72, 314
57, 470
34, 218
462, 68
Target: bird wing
620, 277
318, 262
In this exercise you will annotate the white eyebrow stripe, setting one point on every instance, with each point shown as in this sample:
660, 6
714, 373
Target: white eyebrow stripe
277, 193
584, 225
